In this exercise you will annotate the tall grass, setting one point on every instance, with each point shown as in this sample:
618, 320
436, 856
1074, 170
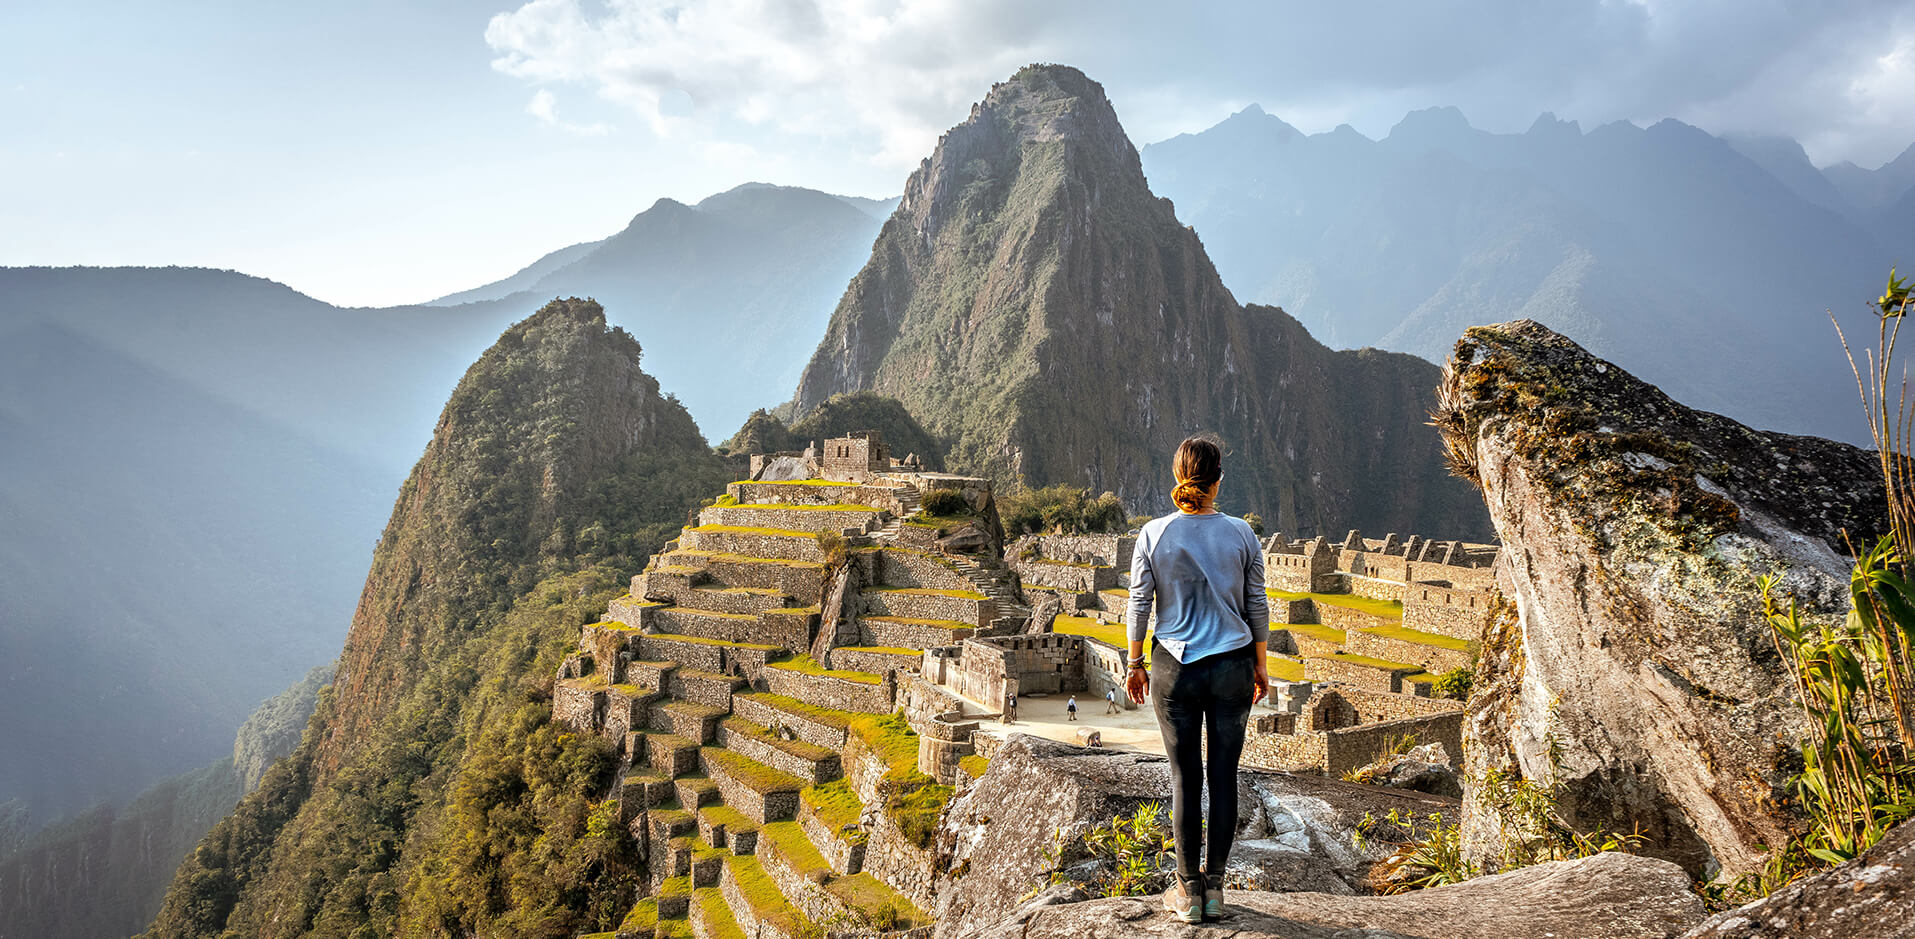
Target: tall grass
1853, 678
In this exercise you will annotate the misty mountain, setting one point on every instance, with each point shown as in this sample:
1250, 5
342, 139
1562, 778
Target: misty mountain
737, 286
1871, 190
168, 560
1663, 248
194, 464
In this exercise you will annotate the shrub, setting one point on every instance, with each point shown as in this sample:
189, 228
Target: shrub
1255, 521
1061, 509
1456, 683
946, 502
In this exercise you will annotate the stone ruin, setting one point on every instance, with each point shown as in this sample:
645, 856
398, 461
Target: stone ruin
797, 683
750, 681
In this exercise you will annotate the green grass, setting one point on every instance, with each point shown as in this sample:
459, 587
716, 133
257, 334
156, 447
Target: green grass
869, 894
1421, 678
1115, 592
807, 507
885, 650
809, 666
1421, 638
712, 911
632, 691
929, 592
1316, 631
792, 844
974, 765
1112, 633
1284, 668
1370, 661
754, 775
1385, 608
762, 893
676, 886
835, 804
693, 709
642, 918
797, 748
939, 522
912, 621
732, 819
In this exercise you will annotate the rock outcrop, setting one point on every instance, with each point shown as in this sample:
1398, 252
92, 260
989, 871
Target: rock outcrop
1033, 303
1873, 896
1293, 832
1608, 896
1637, 672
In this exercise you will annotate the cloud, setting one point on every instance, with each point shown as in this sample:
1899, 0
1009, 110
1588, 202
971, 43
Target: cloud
882, 78
544, 106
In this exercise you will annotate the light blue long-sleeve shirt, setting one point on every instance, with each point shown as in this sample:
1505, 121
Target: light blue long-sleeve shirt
1204, 574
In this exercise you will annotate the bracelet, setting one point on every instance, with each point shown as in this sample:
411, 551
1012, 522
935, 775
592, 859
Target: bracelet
1137, 664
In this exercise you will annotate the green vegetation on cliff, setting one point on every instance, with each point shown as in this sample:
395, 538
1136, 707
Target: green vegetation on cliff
764, 432
431, 794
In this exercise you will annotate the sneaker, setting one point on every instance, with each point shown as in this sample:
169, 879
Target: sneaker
1184, 900
1213, 896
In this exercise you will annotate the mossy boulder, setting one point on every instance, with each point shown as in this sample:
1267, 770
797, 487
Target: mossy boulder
1635, 668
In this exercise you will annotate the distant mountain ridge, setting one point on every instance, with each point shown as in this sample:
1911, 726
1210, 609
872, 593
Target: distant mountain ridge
1703, 264
738, 285
1034, 304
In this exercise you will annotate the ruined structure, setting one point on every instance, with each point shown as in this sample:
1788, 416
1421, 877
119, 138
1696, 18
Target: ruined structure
750, 681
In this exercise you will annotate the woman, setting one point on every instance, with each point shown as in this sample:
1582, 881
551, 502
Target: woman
1203, 571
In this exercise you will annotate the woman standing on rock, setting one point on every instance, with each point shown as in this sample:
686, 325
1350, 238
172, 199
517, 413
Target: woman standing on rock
1203, 571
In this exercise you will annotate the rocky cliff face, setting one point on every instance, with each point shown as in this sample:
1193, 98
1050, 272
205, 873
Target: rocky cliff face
1033, 303
1637, 671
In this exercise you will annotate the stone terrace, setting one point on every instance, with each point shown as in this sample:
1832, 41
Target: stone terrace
759, 681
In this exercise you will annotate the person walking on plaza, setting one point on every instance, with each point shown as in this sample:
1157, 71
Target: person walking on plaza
1202, 571
1110, 701
1010, 708
1071, 706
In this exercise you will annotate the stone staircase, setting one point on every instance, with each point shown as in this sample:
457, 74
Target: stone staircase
993, 581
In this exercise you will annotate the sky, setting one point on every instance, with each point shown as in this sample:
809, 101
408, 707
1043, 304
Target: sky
378, 153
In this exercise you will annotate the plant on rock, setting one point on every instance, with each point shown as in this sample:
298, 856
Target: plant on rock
1132, 848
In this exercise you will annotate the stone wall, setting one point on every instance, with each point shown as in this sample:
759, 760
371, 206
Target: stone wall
844, 852
1064, 575
1353, 747
1112, 550
1292, 611
876, 632
1285, 751
830, 692
810, 731
578, 703
1105, 668
1313, 571
701, 687
904, 567
804, 583
761, 493
972, 609
753, 544
1368, 678
1378, 706
1045, 664
1433, 658
1458, 612
758, 806
1347, 619
1374, 588
877, 663
806, 520
632, 610
907, 868
741, 910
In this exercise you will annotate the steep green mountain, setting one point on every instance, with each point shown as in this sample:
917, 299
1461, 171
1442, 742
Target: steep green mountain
104, 871
729, 293
1033, 304
430, 793
1705, 265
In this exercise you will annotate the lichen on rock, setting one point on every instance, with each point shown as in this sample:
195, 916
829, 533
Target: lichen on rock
1637, 672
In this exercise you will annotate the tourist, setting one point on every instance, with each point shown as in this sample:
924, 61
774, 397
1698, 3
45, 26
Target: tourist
1010, 708
1202, 570
1071, 707
1110, 701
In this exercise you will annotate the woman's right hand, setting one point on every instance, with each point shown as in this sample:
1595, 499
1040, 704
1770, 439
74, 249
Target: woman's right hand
1137, 685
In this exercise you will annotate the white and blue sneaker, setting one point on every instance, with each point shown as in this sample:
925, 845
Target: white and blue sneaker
1185, 900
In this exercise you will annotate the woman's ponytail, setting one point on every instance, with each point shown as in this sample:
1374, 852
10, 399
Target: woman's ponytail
1198, 468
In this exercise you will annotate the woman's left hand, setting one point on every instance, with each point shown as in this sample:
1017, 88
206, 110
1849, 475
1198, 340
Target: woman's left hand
1261, 687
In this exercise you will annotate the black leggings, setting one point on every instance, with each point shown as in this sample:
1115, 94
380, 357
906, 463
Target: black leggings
1209, 696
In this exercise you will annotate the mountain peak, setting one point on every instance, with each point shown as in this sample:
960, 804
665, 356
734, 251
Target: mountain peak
1435, 128
1051, 112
